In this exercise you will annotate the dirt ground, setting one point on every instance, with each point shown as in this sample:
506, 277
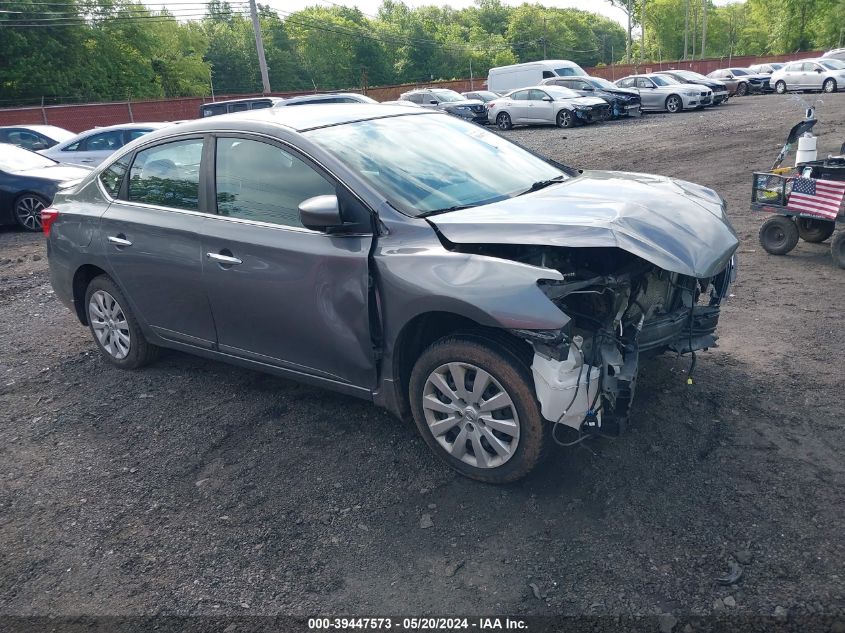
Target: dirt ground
192, 487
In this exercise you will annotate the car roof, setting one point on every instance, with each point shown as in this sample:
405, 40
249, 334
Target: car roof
242, 100
154, 125
44, 129
301, 118
320, 95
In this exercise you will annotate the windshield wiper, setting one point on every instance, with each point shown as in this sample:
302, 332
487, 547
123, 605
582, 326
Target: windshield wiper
457, 207
542, 184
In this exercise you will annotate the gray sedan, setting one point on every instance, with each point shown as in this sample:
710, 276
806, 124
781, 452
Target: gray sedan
660, 92
499, 298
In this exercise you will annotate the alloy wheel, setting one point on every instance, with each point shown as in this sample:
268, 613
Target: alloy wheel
673, 104
564, 118
829, 86
742, 89
109, 324
471, 415
780, 87
28, 212
504, 121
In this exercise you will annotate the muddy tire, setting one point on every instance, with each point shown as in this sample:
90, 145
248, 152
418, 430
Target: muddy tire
474, 404
815, 231
114, 328
742, 89
778, 235
503, 120
780, 87
837, 249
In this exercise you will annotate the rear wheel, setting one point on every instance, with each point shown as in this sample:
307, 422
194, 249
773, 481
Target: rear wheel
565, 119
829, 85
114, 327
504, 121
674, 104
837, 249
778, 235
780, 87
28, 209
474, 404
815, 231
742, 89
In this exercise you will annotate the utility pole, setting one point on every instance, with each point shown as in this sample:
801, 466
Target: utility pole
630, 28
259, 46
642, 31
703, 27
686, 29
544, 38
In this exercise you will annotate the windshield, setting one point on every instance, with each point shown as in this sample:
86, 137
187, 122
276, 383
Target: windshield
663, 80
570, 71
559, 92
430, 162
448, 95
598, 82
688, 74
776, 66
14, 158
739, 71
832, 64
484, 95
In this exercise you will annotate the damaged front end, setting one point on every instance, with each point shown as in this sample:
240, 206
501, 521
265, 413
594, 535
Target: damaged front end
621, 308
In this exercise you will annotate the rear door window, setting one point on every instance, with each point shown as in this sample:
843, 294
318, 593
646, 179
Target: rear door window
167, 175
522, 95
213, 110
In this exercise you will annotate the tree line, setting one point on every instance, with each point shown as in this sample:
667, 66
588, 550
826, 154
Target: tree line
94, 50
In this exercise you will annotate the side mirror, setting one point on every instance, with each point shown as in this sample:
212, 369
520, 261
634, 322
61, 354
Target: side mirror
548, 99
433, 102
320, 213
729, 76
589, 89
819, 70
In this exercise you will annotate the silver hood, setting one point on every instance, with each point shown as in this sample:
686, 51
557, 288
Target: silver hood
676, 225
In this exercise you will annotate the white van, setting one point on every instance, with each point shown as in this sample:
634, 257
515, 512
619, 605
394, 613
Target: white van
505, 78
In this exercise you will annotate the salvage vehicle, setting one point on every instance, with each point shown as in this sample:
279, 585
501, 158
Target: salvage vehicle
28, 182
622, 101
826, 75
766, 69
719, 88
448, 101
91, 148
546, 105
742, 81
662, 93
500, 298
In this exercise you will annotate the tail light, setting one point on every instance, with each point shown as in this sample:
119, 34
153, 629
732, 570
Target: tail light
48, 216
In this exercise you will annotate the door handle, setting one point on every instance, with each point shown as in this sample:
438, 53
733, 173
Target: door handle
119, 240
228, 260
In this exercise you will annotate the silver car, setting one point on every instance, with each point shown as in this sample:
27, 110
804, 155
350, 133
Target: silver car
825, 74
34, 137
546, 105
661, 92
91, 148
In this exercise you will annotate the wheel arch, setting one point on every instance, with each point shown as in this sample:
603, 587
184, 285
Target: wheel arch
81, 279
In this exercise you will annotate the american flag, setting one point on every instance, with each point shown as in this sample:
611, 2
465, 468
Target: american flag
821, 198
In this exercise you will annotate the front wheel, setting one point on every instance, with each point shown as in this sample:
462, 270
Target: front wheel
780, 87
474, 404
815, 231
742, 89
565, 119
829, 85
837, 249
504, 121
674, 104
114, 327
28, 208
778, 235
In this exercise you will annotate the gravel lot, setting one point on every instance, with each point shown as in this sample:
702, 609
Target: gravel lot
196, 488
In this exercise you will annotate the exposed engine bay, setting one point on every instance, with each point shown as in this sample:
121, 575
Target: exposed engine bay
620, 308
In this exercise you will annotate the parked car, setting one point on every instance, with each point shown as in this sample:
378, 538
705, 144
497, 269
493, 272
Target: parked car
766, 69
506, 78
659, 92
237, 105
332, 97
622, 101
826, 75
742, 81
448, 101
481, 95
34, 137
836, 53
546, 105
94, 146
28, 182
720, 90
494, 295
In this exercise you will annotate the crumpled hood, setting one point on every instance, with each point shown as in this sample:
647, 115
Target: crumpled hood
676, 225
584, 102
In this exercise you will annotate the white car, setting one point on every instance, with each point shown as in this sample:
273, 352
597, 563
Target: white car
661, 92
34, 137
94, 146
825, 74
836, 53
546, 105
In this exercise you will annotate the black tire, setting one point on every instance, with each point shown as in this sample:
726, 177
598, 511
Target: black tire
565, 119
516, 381
140, 352
27, 211
778, 235
503, 120
674, 104
829, 86
837, 249
815, 231
742, 89
780, 87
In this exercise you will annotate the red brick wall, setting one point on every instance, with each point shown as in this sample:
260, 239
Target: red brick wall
78, 118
